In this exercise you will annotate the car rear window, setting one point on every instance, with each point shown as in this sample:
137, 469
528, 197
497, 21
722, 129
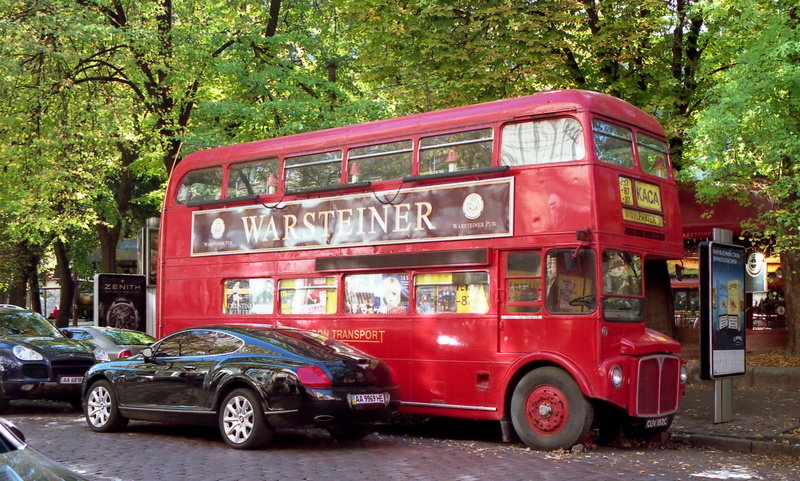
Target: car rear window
308, 344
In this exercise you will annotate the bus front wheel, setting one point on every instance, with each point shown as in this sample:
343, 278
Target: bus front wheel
549, 411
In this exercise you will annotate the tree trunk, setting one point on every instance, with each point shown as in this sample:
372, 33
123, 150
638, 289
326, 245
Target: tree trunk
790, 268
17, 292
659, 304
109, 237
64, 274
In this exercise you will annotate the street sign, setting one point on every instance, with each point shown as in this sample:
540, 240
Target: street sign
722, 312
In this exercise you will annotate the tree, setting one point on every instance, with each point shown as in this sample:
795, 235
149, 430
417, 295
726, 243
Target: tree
424, 55
748, 137
105, 93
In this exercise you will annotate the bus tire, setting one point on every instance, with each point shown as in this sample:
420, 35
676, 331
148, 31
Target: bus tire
549, 411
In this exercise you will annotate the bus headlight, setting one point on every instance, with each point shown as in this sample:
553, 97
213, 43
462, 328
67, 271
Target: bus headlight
616, 376
684, 375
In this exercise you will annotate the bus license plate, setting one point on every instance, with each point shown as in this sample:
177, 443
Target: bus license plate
71, 380
367, 399
656, 423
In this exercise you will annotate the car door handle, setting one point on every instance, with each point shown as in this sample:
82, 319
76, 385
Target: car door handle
189, 368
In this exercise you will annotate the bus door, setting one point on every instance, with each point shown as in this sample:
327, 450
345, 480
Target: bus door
547, 299
521, 325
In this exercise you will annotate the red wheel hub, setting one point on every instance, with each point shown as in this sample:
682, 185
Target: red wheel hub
546, 410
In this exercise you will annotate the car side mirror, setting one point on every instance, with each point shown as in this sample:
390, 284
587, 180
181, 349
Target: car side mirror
67, 334
14, 430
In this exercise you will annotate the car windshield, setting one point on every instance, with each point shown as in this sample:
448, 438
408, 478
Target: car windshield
26, 323
129, 338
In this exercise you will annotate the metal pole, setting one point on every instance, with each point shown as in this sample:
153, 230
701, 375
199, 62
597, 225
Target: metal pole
723, 388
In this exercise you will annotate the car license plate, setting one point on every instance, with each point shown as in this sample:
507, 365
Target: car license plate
71, 380
656, 423
368, 399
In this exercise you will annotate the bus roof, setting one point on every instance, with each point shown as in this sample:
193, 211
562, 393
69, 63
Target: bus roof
551, 101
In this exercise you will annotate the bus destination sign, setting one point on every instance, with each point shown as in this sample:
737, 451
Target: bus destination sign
481, 209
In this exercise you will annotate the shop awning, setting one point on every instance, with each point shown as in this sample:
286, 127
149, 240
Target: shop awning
725, 213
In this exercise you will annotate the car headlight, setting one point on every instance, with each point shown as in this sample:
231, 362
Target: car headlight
684, 375
616, 376
100, 355
25, 354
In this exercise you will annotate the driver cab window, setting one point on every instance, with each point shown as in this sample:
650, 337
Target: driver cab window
570, 281
622, 286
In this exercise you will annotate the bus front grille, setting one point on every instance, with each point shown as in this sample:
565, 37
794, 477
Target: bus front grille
658, 386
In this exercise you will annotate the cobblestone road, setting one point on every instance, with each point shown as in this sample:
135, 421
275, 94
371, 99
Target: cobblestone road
146, 452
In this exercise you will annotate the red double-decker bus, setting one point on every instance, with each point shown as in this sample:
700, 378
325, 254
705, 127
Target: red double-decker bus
502, 257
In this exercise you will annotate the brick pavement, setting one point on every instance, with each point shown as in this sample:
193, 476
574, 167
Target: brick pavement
178, 453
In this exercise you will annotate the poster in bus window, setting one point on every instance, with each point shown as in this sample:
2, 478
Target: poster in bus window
446, 299
377, 294
426, 299
248, 296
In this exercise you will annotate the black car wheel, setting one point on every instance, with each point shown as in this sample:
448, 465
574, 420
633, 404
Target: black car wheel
351, 432
102, 412
241, 421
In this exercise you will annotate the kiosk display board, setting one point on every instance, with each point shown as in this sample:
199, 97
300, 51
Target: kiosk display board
722, 312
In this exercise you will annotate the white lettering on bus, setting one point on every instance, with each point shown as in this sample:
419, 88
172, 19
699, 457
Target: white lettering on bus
381, 220
424, 217
346, 222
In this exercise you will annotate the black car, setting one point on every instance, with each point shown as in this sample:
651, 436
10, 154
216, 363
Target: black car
248, 380
38, 362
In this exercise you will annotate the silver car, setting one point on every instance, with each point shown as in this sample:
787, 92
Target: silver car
117, 343
18, 462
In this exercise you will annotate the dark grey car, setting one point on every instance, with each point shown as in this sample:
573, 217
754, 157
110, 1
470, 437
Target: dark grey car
38, 362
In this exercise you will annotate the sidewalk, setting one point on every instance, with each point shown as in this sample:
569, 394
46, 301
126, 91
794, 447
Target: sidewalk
766, 414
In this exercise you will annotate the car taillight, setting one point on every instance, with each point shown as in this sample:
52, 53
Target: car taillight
124, 353
312, 376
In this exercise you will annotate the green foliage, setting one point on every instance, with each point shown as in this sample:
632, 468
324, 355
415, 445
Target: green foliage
748, 137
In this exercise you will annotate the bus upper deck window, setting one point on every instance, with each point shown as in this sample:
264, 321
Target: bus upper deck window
200, 186
379, 162
311, 171
456, 151
542, 141
652, 155
612, 143
253, 178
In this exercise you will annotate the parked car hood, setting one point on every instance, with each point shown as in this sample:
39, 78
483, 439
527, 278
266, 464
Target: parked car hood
28, 465
54, 348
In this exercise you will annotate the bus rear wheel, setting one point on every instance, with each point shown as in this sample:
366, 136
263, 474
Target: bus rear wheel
549, 411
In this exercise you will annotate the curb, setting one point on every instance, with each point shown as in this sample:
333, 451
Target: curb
777, 378
773, 447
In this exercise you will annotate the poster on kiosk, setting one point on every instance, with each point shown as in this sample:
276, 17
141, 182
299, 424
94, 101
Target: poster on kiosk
722, 311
